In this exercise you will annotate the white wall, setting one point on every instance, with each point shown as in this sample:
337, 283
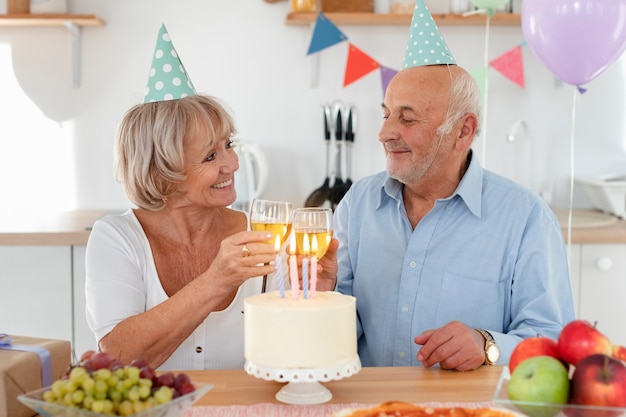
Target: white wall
242, 52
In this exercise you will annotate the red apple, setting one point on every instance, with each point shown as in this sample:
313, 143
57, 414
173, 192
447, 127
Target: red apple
619, 352
580, 339
531, 347
598, 380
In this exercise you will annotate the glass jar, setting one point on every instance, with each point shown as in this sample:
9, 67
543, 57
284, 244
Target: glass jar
402, 6
304, 6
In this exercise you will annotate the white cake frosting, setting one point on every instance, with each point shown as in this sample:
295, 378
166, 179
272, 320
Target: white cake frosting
309, 333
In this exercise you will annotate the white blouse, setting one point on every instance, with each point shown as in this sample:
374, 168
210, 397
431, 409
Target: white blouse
122, 281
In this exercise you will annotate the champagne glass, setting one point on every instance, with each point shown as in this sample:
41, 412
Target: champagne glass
313, 227
274, 217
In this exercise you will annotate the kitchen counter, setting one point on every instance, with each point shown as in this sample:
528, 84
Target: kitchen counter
30, 228
72, 228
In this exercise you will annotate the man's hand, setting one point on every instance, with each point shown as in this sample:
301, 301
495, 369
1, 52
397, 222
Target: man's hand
327, 268
454, 346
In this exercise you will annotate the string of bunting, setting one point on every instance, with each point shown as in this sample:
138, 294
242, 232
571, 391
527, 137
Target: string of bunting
359, 64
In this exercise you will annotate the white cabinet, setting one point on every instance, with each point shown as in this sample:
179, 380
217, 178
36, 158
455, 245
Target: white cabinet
574, 268
83, 337
36, 291
42, 293
603, 288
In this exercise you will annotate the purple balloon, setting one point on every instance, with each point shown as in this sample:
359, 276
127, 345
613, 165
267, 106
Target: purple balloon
576, 39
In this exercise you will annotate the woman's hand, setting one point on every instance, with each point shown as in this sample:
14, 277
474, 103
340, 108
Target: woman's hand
242, 256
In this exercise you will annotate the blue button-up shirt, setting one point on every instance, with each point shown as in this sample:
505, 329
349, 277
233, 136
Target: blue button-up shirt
492, 255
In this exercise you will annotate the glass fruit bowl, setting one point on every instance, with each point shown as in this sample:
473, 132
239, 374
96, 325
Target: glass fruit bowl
537, 409
174, 408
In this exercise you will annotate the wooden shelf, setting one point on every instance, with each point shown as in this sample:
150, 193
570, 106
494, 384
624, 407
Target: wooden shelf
48, 20
72, 22
374, 19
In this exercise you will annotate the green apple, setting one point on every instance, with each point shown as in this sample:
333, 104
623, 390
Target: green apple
540, 379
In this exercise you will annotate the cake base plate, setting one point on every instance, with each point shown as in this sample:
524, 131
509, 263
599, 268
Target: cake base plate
304, 393
303, 384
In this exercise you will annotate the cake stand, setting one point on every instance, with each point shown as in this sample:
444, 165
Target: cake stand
303, 384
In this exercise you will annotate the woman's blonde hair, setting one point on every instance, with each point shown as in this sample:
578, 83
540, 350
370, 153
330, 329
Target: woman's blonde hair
150, 144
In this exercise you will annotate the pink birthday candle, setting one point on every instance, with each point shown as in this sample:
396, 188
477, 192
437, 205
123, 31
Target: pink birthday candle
305, 266
293, 267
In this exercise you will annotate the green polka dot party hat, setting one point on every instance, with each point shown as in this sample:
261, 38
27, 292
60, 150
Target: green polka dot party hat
425, 46
168, 79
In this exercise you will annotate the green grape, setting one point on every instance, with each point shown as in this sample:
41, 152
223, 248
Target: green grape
120, 373
139, 406
144, 391
108, 407
58, 388
133, 394
115, 395
101, 386
125, 408
98, 406
88, 384
113, 380
88, 402
132, 372
78, 374
78, 396
163, 395
102, 374
49, 396
123, 391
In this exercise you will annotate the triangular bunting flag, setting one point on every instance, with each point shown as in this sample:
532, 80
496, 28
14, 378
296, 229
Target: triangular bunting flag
359, 64
511, 65
386, 74
325, 34
480, 75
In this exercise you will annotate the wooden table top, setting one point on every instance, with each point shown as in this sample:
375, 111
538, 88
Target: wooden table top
370, 386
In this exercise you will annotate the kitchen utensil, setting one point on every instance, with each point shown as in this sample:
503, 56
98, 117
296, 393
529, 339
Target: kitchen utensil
349, 140
340, 187
321, 194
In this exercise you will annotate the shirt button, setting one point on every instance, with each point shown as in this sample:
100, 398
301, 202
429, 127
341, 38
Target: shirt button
405, 309
412, 264
402, 354
198, 349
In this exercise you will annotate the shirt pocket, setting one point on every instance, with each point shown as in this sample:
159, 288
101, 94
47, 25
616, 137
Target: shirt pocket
477, 301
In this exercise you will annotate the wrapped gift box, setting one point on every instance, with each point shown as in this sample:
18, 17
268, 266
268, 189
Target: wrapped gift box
21, 370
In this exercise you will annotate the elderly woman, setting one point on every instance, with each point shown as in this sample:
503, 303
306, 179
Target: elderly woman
166, 280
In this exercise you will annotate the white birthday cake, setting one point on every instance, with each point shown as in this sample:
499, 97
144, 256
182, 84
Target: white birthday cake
306, 333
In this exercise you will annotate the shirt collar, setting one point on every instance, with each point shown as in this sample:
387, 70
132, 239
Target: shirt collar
469, 189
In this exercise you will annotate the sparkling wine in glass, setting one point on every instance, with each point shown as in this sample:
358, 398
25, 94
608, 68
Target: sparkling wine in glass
274, 217
315, 226
271, 216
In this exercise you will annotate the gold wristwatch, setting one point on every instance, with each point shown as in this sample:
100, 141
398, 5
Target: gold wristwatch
492, 353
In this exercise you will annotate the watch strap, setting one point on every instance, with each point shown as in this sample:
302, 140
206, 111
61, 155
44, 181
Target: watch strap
489, 343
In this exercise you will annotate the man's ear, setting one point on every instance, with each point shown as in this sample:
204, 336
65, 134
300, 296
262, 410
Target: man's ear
467, 132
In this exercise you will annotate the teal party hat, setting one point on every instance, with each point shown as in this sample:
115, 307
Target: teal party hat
425, 45
168, 79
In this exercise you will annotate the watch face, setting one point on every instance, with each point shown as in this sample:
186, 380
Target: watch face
493, 353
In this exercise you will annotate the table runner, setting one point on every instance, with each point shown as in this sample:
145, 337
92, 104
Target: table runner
287, 410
